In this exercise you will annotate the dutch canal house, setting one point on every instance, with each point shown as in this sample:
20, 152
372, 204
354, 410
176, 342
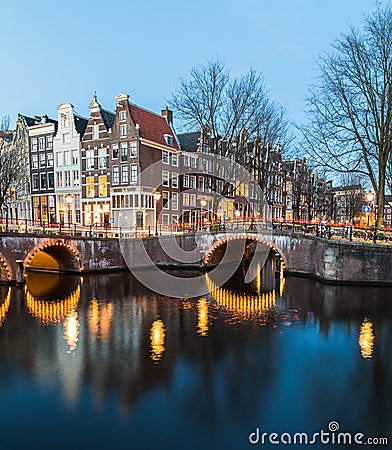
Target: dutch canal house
67, 163
96, 175
144, 159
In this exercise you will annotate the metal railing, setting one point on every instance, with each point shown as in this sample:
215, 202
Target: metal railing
97, 230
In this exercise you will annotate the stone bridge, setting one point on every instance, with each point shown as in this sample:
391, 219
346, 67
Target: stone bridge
328, 260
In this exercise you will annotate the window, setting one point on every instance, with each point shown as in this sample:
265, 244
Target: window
34, 145
186, 199
165, 178
66, 138
75, 178
174, 160
42, 160
90, 191
124, 174
49, 141
67, 158
116, 175
174, 219
133, 149
165, 219
59, 158
174, 202
165, 200
115, 151
201, 183
193, 161
103, 186
123, 130
185, 181
44, 181
193, 200
168, 139
34, 161
165, 157
35, 181
102, 160
75, 157
51, 180
95, 131
89, 159
133, 173
59, 179
186, 161
123, 115
193, 182
49, 157
67, 175
41, 143
174, 180
124, 152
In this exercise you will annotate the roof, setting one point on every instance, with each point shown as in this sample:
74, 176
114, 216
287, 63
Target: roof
152, 126
189, 141
108, 118
80, 124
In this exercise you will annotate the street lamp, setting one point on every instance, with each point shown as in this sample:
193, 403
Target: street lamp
370, 198
237, 215
157, 197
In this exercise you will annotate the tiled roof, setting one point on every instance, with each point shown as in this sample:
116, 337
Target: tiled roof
152, 126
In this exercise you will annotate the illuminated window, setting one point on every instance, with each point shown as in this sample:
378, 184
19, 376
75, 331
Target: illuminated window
103, 186
90, 190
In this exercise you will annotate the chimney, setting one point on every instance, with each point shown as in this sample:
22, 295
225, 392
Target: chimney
168, 114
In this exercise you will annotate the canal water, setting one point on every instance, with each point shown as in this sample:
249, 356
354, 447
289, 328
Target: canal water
103, 363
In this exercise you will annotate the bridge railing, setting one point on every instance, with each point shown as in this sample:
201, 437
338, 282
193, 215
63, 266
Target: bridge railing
107, 230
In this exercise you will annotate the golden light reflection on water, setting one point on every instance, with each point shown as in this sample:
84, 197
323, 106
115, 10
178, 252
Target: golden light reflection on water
5, 307
366, 339
50, 312
71, 330
244, 306
100, 320
157, 336
202, 317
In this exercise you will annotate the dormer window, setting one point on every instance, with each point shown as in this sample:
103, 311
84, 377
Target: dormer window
168, 139
123, 115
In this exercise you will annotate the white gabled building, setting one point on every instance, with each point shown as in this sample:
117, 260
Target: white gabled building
67, 164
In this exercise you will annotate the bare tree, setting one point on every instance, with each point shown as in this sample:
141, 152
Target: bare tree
12, 165
350, 108
233, 112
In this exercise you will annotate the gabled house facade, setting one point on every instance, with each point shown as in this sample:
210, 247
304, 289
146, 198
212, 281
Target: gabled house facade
67, 163
96, 174
144, 159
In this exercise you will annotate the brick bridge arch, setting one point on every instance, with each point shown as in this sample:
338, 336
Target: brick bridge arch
222, 239
53, 255
5, 269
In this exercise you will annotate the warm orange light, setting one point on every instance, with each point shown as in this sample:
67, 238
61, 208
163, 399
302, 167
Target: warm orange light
157, 337
202, 317
366, 339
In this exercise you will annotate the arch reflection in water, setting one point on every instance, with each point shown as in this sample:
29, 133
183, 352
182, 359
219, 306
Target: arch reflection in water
50, 298
157, 336
366, 339
5, 305
202, 317
243, 305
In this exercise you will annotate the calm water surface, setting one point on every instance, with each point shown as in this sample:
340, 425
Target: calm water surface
103, 363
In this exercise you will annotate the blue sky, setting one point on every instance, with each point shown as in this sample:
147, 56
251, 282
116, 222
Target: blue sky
56, 52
